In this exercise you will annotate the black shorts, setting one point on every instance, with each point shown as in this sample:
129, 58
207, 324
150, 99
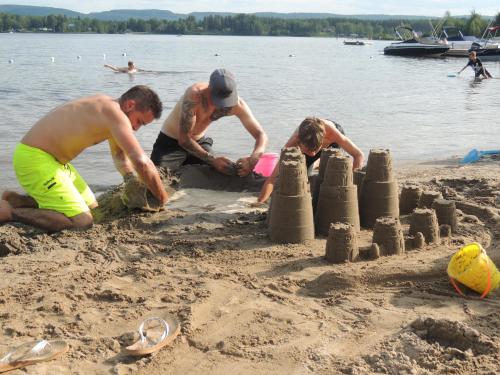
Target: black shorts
167, 152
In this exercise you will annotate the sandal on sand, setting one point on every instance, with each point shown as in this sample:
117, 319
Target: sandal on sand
145, 345
31, 353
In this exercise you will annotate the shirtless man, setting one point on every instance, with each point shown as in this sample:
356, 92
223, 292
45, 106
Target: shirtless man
58, 197
313, 135
130, 69
182, 138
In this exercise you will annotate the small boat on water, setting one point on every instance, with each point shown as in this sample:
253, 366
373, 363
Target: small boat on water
460, 43
488, 48
413, 45
357, 42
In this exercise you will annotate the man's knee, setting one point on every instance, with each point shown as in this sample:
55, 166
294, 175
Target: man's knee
83, 220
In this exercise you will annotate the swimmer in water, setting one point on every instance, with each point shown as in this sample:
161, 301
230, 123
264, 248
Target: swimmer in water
130, 68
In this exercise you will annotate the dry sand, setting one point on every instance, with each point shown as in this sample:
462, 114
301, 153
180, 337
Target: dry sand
246, 305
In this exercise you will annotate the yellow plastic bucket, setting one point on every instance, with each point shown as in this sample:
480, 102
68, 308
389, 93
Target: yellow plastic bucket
474, 268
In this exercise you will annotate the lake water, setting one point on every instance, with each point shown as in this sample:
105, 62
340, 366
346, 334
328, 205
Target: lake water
408, 105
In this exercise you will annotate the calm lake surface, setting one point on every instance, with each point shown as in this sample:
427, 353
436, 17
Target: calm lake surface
408, 105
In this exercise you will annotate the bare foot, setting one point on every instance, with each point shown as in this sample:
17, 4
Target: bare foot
17, 200
5, 211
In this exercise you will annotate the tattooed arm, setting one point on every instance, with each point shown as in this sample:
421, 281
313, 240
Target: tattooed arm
191, 101
186, 125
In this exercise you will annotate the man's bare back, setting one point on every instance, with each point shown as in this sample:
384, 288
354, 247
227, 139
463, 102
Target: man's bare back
72, 127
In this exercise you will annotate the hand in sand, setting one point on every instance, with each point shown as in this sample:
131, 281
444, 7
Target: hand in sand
223, 165
5, 211
245, 166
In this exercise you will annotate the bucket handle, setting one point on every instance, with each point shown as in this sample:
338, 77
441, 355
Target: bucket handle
488, 285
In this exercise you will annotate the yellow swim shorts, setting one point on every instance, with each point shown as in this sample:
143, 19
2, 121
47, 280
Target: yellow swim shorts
54, 186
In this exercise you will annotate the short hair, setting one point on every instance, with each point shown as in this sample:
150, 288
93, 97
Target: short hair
472, 53
312, 132
130, 63
145, 99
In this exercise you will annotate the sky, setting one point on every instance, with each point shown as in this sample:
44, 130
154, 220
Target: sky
394, 7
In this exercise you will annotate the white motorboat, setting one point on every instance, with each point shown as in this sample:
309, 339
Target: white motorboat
413, 45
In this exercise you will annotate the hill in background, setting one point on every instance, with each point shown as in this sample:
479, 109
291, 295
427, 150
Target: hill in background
146, 14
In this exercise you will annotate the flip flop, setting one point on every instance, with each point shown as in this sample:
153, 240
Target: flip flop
145, 345
32, 353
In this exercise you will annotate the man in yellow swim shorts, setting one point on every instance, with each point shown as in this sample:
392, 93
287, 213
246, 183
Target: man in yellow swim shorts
58, 197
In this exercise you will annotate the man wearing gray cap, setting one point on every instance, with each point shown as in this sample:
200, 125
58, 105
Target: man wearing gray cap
182, 138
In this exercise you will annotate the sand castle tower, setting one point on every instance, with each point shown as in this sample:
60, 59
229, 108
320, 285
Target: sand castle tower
323, 161
379, 196
290, 211
409, 199
428, 197
424, 220
446, 213
388, 234
338, 196
342, 243
358, 178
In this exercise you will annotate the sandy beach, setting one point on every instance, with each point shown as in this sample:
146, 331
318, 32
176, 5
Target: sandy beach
247, 305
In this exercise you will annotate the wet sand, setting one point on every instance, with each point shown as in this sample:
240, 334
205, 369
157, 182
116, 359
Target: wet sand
247, 305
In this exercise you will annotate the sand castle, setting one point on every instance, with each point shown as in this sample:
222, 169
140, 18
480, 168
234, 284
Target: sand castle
424, 220
388, 234
409, 199
323, 161
338, 199
446, 213
358, 178
428, 197
290, 211
342, 243
379, 195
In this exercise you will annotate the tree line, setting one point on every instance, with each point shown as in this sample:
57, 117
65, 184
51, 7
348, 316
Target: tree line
241, 24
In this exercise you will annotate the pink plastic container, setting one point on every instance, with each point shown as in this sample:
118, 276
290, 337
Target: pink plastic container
265, 165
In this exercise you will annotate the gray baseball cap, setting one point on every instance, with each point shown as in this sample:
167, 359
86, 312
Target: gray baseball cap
223, 88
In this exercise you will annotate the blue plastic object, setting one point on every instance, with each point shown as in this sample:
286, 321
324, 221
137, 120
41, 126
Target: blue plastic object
474, 155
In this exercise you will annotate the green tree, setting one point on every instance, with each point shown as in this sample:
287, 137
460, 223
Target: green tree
475, 25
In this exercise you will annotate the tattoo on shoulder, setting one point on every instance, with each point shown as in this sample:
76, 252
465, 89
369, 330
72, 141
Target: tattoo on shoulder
187, 114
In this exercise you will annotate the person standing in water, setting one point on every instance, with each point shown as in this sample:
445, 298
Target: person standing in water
477, 65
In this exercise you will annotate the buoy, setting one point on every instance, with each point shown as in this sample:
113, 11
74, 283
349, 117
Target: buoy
79, 57
290, 55
53, 59
11, 61
124, 54
216, 54
104, 56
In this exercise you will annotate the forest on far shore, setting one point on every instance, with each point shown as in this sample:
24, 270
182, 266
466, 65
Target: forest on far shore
241, 24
